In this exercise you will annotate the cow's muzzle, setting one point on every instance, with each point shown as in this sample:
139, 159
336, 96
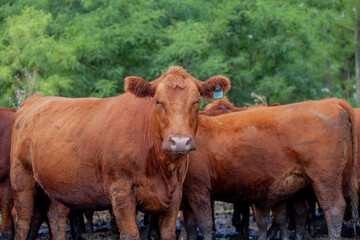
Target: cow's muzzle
179, 145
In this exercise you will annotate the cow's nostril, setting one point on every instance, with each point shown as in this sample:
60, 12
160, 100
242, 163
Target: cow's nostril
179, 145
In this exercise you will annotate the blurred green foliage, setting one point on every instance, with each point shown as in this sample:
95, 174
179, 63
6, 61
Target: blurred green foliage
287, 51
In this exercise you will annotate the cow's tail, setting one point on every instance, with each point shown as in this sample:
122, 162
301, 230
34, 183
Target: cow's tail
354, 195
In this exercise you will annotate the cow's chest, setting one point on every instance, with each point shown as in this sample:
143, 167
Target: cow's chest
157, 196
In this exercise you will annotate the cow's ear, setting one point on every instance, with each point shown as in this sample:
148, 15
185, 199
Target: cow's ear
138, 86
207, 88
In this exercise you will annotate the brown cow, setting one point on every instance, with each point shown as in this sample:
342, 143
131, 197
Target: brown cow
302, 210
126, 152
265, 155
308, 195
297, 204
357, 117
224, 106
219, 107
7, 117
312, 199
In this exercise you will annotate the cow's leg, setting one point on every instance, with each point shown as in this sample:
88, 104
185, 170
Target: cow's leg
24, 204
151, 223
80, 214
262, 220
23, 189
190, 224
114, 227
35, 224
331, 200
89, 214
201, 207
245, 212
311, 218
14, 216
301, 210
213, 214
183, 233
167, 223
280, 215
273, 230
236, 218
57, 216
155, 228
241, 224
147, 226
76, 221
124, 207
7, 227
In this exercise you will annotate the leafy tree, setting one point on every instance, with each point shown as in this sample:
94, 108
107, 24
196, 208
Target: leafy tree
287, 51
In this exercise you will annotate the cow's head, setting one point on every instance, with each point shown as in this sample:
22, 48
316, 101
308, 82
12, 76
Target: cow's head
177, 97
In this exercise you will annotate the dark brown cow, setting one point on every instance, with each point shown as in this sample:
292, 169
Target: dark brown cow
7, 117
265, 155
126, 152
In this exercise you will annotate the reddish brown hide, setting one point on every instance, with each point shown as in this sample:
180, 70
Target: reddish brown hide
357, 118
7, 117
223, 106
299, 203
265, 155
301, 207
126, 152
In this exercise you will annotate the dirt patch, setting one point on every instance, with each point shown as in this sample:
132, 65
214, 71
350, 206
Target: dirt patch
223, 222
225, 230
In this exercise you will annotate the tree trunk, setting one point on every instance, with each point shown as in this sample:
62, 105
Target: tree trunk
357, 52
348, 76
345, 78
327, 64
327, 75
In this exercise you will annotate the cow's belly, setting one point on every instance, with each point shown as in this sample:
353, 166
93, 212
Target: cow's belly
287, 186
258, 190
76, 187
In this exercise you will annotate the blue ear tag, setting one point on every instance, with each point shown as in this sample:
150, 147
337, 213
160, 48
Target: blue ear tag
218, 93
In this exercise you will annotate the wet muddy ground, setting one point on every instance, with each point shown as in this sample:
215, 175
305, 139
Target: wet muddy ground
224, 228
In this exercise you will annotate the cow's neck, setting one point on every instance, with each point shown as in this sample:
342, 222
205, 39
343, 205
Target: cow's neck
167, 163
165, 172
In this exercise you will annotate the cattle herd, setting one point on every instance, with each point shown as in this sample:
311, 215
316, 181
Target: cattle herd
152, 150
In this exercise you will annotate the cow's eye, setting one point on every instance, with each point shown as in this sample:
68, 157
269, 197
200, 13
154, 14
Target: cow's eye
159, 104
195, 104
